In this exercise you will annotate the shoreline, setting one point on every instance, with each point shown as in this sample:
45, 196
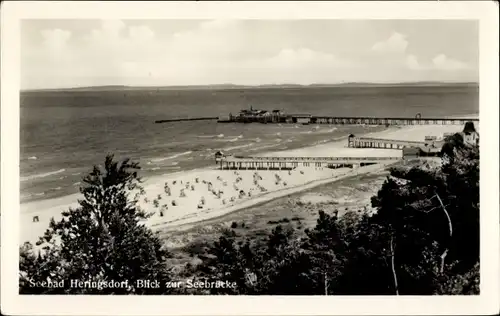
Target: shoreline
182, 218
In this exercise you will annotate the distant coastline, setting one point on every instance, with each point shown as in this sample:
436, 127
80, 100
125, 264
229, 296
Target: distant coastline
264, 86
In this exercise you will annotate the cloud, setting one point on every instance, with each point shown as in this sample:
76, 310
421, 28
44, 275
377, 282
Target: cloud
140, 33
220, 51
443, 62
303, 57
55, 39
413, 63
396, 43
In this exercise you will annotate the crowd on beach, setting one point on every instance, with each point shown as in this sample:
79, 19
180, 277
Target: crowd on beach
219, 189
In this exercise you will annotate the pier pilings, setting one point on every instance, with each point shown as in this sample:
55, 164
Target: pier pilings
288, 163
335, 120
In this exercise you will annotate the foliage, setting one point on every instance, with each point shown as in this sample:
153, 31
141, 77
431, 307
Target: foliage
423, 239
101, 240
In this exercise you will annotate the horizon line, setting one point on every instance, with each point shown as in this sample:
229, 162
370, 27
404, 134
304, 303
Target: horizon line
252, 85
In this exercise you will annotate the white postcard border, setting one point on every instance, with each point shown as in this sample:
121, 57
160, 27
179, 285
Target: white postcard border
13, 303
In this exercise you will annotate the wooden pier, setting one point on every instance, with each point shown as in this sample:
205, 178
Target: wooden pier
288, 163
333, 120
368, 142
188, 119
391, 121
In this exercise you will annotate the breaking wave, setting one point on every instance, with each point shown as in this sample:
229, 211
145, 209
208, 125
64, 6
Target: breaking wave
211, 136
237, 147
171, 157
42, 175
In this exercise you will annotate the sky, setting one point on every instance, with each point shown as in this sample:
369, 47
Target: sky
80, 53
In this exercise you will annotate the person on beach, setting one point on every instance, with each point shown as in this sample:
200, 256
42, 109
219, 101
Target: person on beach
163, 209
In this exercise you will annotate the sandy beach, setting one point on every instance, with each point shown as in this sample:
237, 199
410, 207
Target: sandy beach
188, 197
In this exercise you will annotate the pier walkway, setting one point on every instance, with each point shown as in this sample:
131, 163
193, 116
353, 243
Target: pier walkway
311, 119
187, 119
368, 142
391, 121
287, 163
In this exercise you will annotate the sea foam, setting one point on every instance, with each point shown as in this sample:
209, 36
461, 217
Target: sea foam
42, 175
171, 157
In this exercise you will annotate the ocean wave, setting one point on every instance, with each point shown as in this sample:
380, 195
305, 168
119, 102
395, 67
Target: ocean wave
236, 147
171, 167
76, 174
211, 136
264, 147
278, 134
278, 140
153, 169
175, 163
40, 194
33, 158
171, 157
26, 196
327, 131
77, 183
258, 140
319, 142
42, 175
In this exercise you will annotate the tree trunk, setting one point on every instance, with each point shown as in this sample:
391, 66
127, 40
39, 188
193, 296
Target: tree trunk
393, 267
450, 226
326, 285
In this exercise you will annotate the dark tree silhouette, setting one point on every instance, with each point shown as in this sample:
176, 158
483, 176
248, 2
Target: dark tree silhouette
102, 240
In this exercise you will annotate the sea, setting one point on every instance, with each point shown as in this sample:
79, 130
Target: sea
64, 133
